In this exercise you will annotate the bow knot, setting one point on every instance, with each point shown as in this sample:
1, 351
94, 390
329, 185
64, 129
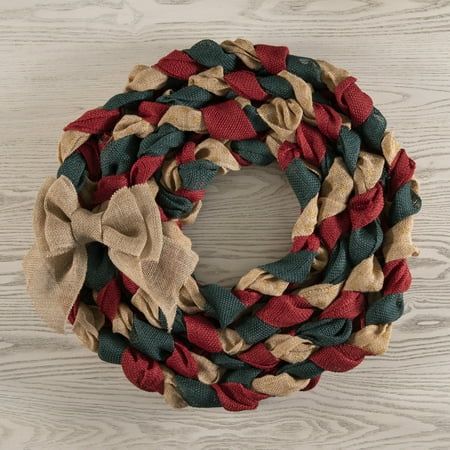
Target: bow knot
86, 226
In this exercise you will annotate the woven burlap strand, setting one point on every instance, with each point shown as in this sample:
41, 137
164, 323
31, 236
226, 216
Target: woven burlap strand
110, 256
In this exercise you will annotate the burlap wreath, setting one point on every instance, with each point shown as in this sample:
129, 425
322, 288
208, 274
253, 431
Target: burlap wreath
111, 258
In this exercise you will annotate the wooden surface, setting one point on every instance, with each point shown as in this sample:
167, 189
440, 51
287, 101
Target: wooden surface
59, 58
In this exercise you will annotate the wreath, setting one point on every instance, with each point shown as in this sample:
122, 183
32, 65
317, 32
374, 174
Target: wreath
110, 256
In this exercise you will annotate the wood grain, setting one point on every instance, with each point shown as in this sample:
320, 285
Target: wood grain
60, 58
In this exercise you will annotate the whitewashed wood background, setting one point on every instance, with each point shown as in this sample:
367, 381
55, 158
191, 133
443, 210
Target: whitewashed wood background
59, 58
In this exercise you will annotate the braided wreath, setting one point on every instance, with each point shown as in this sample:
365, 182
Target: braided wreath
110, 255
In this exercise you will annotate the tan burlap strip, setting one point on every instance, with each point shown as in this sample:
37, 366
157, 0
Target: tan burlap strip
244, 50
132, 124
282, 116
211, 80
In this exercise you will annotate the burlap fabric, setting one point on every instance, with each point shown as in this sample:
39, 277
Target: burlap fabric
111, 258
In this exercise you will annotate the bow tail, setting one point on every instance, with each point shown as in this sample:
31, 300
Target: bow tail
54, 283
163, 278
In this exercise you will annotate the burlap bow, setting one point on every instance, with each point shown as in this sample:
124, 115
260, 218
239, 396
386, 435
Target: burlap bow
129, 225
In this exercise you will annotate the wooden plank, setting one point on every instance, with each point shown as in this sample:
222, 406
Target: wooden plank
60, 58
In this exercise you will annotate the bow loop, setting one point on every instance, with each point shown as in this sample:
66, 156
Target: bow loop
132, 224
55, 205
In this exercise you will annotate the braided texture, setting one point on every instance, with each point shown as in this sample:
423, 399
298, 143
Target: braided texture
110, 256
